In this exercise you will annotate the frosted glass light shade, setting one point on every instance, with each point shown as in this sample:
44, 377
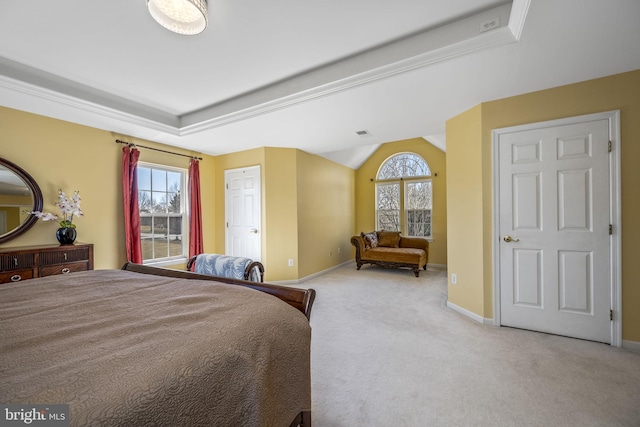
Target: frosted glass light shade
180, 16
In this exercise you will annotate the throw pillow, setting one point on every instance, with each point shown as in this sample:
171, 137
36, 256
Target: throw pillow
370, 239
367, 245
389, 239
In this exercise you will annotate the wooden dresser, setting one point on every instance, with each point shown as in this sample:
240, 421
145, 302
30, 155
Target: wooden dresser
27, 262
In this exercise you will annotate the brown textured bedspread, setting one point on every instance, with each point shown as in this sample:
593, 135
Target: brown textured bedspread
128, 349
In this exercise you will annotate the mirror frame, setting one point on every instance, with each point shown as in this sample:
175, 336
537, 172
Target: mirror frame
37, 200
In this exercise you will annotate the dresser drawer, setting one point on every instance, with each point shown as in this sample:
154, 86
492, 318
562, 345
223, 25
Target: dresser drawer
15, 275
62, 269
28, 262
64, 256
16, 261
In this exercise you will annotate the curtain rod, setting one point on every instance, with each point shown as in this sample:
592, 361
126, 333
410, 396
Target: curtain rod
131, 144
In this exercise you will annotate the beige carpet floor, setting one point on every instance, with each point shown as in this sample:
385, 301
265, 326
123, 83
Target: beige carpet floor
386, 351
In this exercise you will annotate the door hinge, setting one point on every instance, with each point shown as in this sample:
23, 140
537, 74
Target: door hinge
610, 228
610, 314
609, 146
227, 185
227, 225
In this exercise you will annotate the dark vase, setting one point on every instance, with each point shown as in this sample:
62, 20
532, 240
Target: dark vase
66, 236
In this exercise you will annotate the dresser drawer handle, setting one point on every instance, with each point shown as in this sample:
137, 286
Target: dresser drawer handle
16, 278
66, 271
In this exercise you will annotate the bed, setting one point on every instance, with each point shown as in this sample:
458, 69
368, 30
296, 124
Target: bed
150, 346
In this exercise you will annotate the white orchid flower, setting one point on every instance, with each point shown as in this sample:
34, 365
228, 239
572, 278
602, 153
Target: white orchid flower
68, 207
45, 216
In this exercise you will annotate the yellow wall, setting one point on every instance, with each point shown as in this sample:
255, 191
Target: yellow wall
281, 216
464, 207
326, 213
14, 207
365, 191
618, 92
278, 206
12, 216
8, 200
60, 154
307, 210
64, 155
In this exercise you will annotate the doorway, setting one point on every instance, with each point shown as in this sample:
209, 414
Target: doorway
557, 223
242, 213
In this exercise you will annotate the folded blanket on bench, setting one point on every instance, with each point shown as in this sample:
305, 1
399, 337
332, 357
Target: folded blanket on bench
226, 266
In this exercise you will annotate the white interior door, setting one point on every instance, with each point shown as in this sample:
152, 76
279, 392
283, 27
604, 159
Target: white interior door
242, 202
554, 204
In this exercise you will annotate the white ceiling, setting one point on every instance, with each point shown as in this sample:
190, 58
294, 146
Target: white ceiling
292, 73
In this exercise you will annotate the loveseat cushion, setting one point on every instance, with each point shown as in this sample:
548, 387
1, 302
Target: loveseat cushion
400, 255
389, 239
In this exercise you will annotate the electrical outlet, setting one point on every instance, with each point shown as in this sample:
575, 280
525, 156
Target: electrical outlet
290, 262
454, 279
338, 251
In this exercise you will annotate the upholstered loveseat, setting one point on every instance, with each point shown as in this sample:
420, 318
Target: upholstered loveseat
390, 249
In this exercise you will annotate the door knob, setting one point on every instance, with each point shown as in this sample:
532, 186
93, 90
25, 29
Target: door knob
510, 239
254, 231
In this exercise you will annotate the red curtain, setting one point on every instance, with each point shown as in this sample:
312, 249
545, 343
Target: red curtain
195, 208
131, 209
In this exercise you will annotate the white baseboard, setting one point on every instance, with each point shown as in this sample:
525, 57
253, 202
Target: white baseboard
437, 266
626, 344
351, 261
631, 345
470, 314
309, 277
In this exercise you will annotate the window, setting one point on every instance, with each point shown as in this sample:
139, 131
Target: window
404, 195
163, 215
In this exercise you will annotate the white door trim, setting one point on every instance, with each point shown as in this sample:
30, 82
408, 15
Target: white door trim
228, 208
615, 212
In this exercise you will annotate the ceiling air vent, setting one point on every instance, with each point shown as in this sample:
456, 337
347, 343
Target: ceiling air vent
363, 133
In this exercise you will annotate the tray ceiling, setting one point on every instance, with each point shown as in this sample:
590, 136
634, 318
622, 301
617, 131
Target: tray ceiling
300, 74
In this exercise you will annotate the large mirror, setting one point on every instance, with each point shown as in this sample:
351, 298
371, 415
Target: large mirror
19, 193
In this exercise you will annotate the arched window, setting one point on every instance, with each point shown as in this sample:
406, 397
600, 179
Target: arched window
404, 195
404, 165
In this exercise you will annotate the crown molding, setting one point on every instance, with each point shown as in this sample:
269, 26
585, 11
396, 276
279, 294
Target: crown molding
429, 47
462, 37
519, 10
53, 99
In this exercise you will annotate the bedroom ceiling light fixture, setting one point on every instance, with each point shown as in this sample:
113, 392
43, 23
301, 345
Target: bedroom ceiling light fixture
180, 16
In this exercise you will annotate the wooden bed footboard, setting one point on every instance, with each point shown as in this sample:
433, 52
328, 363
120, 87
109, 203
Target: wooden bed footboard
300, 299
303, 419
